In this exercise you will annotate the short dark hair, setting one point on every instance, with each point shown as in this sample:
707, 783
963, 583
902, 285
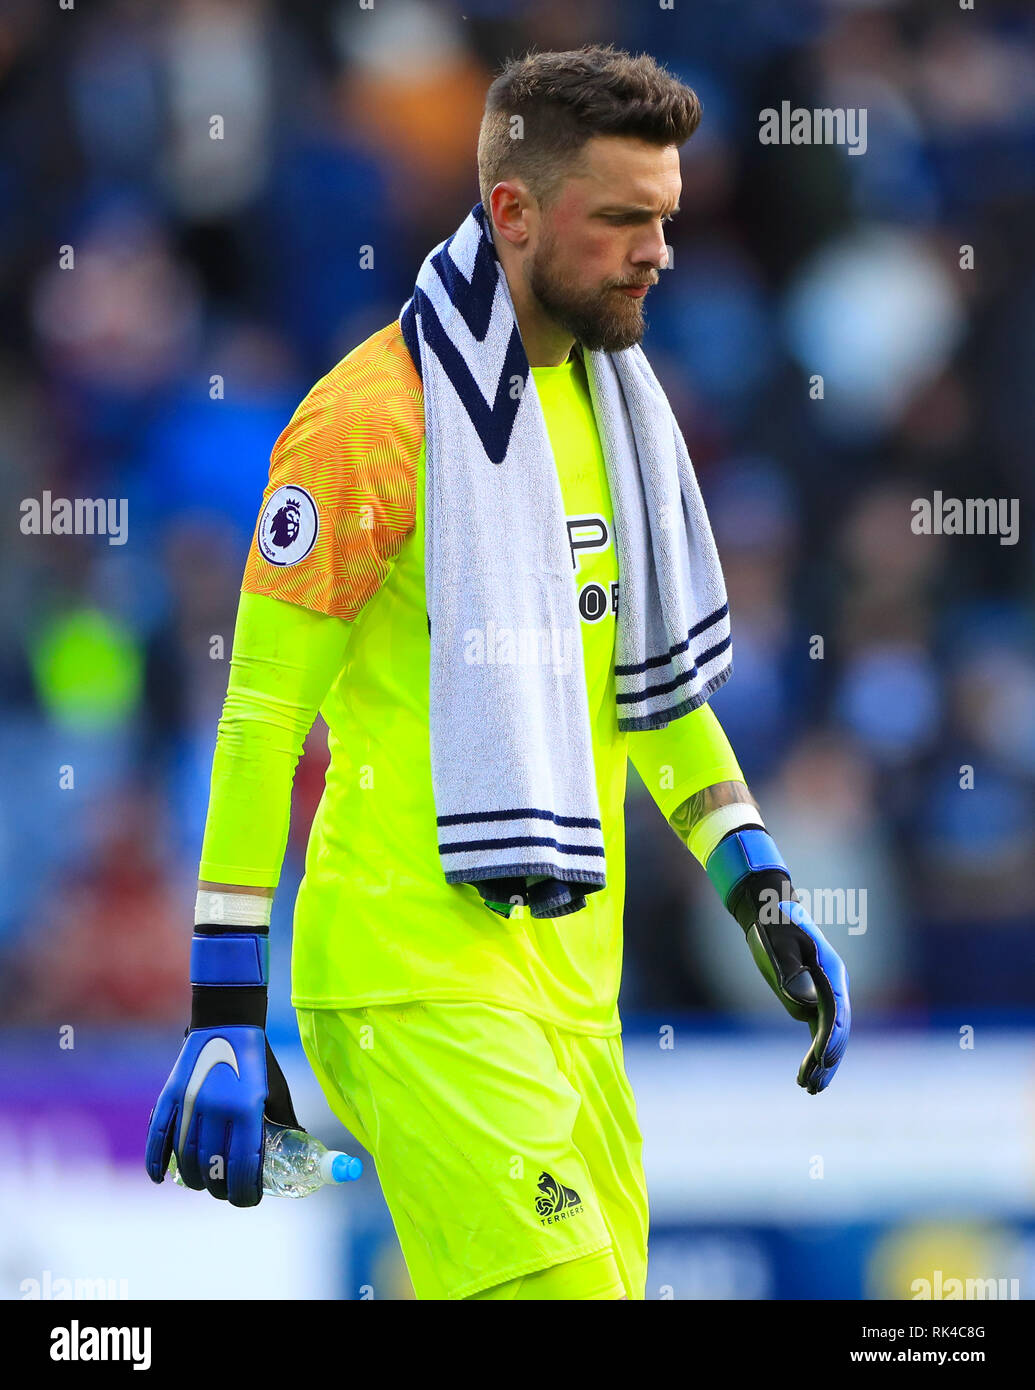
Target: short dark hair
563, 100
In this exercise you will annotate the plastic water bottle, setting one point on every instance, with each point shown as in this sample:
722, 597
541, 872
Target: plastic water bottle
295, 1163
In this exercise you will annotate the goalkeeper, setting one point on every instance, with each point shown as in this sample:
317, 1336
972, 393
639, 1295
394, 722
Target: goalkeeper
467, 1033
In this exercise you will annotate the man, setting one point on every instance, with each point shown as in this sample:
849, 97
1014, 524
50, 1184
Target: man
465, 1032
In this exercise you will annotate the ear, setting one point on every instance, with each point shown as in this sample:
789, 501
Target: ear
511, 208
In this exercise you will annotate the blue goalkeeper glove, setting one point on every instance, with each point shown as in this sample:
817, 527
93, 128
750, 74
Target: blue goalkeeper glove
800, 966
226, 1079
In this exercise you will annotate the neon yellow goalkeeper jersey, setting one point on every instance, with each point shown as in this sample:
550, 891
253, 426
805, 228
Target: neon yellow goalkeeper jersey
341, 531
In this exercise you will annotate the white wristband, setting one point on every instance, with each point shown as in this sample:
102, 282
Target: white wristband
232, 909
717, 824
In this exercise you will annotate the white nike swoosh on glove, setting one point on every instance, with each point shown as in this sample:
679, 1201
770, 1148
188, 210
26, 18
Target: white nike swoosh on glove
216, 1050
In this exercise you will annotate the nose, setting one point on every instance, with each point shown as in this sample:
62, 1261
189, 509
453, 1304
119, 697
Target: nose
652, 249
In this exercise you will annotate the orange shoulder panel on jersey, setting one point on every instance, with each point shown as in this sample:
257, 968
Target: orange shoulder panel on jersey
340, 500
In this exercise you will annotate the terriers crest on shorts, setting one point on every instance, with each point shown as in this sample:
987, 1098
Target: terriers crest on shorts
288, 526
557, 1202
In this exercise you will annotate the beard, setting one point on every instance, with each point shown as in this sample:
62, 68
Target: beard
602, 319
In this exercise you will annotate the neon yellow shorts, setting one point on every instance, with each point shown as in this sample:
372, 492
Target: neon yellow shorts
504, 1146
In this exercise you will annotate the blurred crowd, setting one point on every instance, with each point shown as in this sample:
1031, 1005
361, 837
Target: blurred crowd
839, 335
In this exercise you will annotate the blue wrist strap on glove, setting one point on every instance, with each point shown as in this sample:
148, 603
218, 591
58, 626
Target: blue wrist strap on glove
740, 854
231, 958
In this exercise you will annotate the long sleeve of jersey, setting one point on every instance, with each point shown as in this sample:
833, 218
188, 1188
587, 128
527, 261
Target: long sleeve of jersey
285, 659
686, 756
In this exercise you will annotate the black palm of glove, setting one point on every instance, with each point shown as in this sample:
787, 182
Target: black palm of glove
801, 968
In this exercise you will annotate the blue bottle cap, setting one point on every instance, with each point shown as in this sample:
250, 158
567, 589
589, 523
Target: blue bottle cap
346, 1169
